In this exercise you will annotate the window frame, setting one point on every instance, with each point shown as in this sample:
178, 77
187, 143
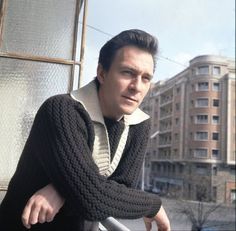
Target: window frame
199, 133
202, 98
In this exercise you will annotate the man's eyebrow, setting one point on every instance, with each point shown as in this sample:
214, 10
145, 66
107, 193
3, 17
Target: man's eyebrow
136, 70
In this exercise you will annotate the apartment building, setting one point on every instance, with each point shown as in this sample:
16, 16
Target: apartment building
191, 152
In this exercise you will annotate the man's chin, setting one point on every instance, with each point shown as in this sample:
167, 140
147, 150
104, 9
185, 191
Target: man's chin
129, 111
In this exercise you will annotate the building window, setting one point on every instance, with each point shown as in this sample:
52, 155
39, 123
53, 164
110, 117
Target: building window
181, 168
191, 135
203, 70
175, 152
201, 119
200, 153
201, 169
233, 196
176, 121
176, 137
192, 87
154, 153
177, 106
202, 102
216, 86
191, 119
215, 119
215, 153
201, 136
216, 70
215, 136
216, 102
214, 171
192, 103
202, 86
177, 90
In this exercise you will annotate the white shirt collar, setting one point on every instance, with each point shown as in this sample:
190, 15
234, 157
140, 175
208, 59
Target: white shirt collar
88, 97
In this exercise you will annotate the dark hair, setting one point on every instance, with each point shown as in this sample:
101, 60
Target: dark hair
133, 37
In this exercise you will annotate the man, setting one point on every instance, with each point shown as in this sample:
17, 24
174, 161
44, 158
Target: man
82, 160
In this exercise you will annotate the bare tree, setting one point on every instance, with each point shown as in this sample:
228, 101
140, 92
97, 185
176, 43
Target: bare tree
200, 215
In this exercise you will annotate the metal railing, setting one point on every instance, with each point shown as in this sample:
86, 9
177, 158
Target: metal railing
111, 224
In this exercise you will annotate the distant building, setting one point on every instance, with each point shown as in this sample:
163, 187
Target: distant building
191, 153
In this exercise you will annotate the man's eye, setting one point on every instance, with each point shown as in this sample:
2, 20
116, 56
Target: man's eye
147, 78
127, 72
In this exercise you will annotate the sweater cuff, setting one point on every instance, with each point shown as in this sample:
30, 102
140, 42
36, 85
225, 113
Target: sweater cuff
155, 207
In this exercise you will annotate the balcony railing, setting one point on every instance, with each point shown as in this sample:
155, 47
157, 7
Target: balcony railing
111, 224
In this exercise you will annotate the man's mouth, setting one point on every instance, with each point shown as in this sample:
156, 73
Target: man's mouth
131, 99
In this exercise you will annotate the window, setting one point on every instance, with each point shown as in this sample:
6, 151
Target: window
201, 119
203, 70
201, 169
216, 103
202, 86
215, 153
215, 119
201, 135
176, 137
203, 102
177, 121
201, 191
177, 106
154, 153
215, 136
181, 168
192, 87
200, 153
214, 171
216, 86
216, 70
233, 195
192, 103
175, 152
191, 135
177, 90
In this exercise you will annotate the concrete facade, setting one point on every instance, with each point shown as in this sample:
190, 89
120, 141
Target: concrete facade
191, 153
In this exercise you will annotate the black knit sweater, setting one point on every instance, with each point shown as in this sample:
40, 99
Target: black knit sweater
59, 151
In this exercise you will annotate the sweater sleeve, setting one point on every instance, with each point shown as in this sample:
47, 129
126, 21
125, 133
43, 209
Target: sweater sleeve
58, 139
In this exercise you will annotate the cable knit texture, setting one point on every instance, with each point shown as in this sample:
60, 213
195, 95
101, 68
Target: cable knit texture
59, 151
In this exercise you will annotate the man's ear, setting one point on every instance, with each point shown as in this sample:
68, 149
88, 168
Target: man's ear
100, 73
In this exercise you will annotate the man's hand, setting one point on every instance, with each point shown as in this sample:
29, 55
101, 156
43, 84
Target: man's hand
161, 220
42, 206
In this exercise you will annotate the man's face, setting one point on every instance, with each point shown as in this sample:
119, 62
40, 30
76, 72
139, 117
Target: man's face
125, 84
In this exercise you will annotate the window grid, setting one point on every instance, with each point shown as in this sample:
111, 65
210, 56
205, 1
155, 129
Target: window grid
201, 119
202, 102
200, 135
202, 86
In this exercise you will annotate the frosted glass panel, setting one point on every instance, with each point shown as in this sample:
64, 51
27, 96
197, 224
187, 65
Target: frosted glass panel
43, 28
24, 85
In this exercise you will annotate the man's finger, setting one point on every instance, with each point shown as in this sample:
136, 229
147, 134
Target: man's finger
50, 215
26, 214
42, 215
34, 214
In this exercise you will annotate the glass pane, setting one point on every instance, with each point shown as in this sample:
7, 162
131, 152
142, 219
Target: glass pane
43, 28
24, 85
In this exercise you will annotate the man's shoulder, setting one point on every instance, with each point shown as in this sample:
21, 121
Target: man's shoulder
59, 103
60, 99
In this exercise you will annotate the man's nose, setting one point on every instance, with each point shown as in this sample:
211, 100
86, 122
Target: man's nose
136, 83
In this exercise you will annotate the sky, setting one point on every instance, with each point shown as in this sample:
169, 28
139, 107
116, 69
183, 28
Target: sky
184, 28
